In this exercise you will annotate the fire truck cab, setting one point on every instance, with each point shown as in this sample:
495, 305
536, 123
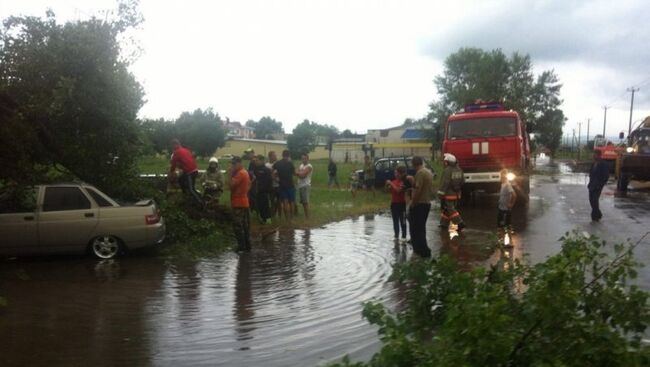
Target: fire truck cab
485, 138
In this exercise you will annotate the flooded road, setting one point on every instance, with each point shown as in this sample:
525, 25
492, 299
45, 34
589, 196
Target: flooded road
294, 301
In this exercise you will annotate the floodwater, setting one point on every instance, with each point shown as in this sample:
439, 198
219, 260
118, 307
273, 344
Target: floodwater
295, 300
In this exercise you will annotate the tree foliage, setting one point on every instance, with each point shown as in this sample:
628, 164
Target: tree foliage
472, 74
266, 127
302, 138
577, 308
307, 134
70, 98
159, 133
201, 130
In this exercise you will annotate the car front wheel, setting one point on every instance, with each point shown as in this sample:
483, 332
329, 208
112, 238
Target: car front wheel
106, 247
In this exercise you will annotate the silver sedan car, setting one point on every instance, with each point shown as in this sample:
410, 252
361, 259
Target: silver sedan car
77, 218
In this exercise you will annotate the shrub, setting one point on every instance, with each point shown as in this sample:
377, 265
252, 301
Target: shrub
577, 308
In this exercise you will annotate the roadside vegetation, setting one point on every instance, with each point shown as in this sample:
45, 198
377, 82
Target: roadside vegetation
578, 308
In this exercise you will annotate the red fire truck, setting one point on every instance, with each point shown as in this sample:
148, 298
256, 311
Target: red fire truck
485, 138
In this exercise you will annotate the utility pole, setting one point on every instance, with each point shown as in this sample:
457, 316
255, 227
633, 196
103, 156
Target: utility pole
572, 140
588, 121
605, 121
579, 131
631, 89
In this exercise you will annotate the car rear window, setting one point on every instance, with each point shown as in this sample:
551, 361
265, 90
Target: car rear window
99, 199
64, 198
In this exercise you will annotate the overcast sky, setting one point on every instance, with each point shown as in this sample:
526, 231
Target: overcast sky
371, 63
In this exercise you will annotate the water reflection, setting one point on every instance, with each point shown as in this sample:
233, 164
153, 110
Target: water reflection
294, 300
244, 310
76, 312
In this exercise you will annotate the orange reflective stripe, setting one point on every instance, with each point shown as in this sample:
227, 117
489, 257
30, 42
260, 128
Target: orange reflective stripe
451, 197
456, 214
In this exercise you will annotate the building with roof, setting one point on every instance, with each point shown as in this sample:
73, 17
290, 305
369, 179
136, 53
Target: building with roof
235, 129
391, 142
237, 146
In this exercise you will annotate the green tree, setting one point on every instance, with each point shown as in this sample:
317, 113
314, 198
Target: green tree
303, 138
266, 127
202, 131
159, 133
578, 308
549, 129
75, 99
472, 74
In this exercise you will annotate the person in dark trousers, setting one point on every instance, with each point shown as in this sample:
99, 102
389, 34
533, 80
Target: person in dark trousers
240, 183
183, 159
420, 206
263, 188
285, 171
331, 174
598, 176
274, 195
449, 192
397, 189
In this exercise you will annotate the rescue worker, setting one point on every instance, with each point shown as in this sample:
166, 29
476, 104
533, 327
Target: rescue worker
449, 192
212, 182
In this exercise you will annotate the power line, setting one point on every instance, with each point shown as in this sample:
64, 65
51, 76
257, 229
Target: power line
642, 83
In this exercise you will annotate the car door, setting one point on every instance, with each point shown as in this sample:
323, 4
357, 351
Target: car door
67, 219
18, 226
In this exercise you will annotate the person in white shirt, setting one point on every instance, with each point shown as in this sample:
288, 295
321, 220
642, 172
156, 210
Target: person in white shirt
304, 182
507, 199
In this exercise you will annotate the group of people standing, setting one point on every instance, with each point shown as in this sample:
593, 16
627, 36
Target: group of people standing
267, 188
411, 198
272, 190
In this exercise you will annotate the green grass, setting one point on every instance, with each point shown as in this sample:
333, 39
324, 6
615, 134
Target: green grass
333, 205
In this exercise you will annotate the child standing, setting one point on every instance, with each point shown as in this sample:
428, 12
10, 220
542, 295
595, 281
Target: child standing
397, 189
507, 198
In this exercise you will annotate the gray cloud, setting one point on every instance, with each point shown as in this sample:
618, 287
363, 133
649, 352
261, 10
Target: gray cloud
608, 33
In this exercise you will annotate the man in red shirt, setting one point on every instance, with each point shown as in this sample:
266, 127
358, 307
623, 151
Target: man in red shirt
240, 183
183, 159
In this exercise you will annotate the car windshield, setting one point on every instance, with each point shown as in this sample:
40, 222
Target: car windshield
482, 127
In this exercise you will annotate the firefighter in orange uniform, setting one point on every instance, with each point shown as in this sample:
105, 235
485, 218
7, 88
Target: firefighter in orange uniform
451, 182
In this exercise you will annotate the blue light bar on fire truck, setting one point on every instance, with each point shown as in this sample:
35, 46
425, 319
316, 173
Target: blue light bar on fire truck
488, 106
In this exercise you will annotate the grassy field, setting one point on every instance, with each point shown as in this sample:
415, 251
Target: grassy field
156, 165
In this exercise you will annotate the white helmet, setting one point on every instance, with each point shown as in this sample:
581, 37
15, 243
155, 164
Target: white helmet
450, 158
213, 160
